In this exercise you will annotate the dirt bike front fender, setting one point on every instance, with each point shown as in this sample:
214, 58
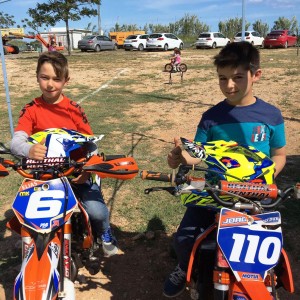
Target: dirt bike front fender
39, 277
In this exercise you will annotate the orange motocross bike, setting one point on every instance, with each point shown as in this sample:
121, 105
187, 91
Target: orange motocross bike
55, 229
240, 256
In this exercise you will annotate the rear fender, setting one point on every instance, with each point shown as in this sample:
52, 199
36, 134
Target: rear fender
39, 278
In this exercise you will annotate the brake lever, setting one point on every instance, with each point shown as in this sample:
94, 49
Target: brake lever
172, 190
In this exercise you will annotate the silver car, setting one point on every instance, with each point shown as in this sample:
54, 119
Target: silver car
96, 43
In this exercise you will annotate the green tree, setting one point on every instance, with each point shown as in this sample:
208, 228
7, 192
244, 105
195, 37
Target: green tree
92, 28
54, 11
260, 27
284, 23
6, 20
230, 27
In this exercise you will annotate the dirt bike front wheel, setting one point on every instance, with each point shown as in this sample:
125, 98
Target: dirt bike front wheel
168, 68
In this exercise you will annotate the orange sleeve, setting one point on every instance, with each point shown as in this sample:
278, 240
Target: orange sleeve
80, 119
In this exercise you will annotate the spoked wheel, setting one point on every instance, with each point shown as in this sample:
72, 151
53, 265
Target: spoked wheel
183, 67
168, 68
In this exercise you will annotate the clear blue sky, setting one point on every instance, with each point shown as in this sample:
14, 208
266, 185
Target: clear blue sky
141, 12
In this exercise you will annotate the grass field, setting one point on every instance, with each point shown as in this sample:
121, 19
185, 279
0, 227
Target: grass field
127, 97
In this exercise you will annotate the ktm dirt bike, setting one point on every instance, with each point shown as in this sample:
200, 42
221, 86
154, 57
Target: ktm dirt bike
55, 229
240, 256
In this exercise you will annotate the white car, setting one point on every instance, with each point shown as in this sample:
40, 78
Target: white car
135, 41
252, 37
211, 40
164, 41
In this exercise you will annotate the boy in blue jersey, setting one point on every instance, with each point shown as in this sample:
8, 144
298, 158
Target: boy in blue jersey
241, 117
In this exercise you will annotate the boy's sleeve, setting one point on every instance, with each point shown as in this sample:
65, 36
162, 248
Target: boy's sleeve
25, 122
278, 136
19, 145
80, 119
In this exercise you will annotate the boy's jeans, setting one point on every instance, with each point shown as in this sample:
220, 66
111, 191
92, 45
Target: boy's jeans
195, 220
91, 198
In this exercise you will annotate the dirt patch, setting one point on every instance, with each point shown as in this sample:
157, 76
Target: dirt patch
138, 272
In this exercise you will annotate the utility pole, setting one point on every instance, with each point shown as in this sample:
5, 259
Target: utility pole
99, 19
6, 82
243, 20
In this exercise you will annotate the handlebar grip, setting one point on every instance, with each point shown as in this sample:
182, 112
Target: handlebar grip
157, 176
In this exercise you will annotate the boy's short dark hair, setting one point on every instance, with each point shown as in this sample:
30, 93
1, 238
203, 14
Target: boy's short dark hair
238, 54
57, 60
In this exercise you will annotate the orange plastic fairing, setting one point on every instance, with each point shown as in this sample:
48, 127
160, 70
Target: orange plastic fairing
287, 276
120, 168
3, 171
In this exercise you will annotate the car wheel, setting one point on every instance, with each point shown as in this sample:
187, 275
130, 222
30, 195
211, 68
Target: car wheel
141, 47
181, 46
97, 48
286, 44
214, 45
166, 47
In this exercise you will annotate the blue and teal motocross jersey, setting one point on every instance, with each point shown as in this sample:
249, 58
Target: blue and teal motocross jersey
259, 125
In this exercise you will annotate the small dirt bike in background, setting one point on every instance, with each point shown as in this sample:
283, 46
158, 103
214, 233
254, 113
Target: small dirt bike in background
171, 68
241, 255
55, 228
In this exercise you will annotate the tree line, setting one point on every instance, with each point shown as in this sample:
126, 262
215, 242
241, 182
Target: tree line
188, 27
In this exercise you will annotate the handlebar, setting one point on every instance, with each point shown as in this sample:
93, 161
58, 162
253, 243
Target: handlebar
114, 166
45, 169
245, 195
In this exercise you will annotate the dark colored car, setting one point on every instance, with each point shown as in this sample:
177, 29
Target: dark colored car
280, 38
96, 43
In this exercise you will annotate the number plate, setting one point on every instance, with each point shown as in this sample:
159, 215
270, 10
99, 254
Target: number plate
249, 244
39, 205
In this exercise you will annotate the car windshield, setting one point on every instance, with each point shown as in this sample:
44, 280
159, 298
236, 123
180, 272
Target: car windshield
155, 36
276, 33
204, 35
131, 37
240, 34
88, 37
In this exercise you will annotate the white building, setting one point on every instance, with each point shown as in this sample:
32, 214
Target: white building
60, 34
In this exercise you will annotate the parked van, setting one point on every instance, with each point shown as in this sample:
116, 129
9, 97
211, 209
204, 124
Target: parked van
120, 36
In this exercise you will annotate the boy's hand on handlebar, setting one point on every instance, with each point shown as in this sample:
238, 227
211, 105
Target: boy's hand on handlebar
174, 157
38, 151
82, 178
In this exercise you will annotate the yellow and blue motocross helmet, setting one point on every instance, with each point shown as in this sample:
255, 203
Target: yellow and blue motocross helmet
61, 142
228, 161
